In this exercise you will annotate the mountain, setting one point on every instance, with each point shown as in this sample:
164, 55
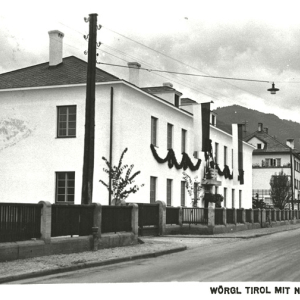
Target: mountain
281, 129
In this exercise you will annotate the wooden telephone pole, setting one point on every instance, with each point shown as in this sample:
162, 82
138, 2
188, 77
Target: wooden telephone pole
89, 135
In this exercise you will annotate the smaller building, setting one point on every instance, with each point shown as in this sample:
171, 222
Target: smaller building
269, 158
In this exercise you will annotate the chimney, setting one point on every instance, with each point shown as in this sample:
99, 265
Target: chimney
168, 84
266, 130
260, 127
134, 70
290, 143
55, 47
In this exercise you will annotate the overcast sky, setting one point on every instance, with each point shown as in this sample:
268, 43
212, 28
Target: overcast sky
257, 40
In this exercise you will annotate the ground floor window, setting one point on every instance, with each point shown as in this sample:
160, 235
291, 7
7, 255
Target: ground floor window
225, 197
182, 193
232, 197
152, 189
240, 199
169, 192
65, 187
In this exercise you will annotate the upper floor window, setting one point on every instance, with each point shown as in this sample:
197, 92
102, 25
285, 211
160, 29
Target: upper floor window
273, 162
240, 199
216, 152
154, 131
225, 155
66, 121
232, 198
259, 146
65, 187
225, 196
183, 140
169, 136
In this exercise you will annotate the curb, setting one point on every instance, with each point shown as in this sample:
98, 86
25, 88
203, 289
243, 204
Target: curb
218, 236
90, 265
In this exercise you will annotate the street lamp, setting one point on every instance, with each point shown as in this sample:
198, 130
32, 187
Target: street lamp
273, 90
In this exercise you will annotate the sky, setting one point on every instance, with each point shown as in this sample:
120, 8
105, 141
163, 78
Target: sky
256, 40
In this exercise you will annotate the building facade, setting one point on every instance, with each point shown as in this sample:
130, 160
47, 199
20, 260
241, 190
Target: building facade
42, 121
271, 157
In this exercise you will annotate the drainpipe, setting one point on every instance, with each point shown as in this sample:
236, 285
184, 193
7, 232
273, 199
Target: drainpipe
292, 178
111, 138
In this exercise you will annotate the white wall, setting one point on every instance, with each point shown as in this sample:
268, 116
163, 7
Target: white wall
32, 155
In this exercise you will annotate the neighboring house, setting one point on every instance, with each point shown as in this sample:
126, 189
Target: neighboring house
270, 157
42, 120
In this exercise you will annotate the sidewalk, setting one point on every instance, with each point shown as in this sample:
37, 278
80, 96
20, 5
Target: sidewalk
152, 247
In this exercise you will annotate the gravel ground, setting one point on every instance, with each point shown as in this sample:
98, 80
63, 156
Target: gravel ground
31, 265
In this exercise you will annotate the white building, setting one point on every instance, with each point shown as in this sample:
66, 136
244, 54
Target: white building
42, 120
270, 157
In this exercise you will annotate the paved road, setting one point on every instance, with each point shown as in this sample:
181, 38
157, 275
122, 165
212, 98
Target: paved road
269, 258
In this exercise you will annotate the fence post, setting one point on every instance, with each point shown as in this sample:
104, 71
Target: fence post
135, 219
259, 215
279, 215
234, 216
275, 217
263, 218
224, 216
243, 216
97, 224
211, 217
180, 216
46, 221
162, 217
251, 216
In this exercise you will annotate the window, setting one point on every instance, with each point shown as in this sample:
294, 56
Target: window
240, 199
183, 140
152, 189
225, 196
169, 192
273, 162
182, 193
258, 146
66, 121
65, 187
154, 131
216, 152
216, 190
176, 100
232, 158
169, 136
225, 155
232, 196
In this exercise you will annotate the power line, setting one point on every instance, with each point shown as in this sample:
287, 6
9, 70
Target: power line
189, 74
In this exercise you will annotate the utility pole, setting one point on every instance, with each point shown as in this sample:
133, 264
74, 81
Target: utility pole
89, 135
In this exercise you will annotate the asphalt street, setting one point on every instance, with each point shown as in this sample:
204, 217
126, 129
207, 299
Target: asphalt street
269, 258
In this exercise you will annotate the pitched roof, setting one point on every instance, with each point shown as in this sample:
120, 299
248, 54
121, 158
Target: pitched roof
71, 71
271, 143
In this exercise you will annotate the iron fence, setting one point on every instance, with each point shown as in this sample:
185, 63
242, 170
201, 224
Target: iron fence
278, 214
248, 215
116, 219
239, 216
230, 216
148, 214
19, 222
256, 215
172, 215
282, 215
72, 220
195, 215
219, 216
272, 215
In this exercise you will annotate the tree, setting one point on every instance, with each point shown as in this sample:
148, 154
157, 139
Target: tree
190, 185
256, 203
121, 180
280, 189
